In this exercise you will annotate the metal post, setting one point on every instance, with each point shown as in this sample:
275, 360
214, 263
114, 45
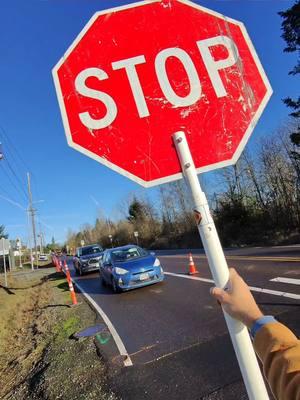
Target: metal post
4, 262
238, 332
21, 265
32, 212
9, 259
136, 235
29, 242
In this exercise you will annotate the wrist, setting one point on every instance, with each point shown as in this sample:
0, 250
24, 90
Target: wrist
251, 320
259, 323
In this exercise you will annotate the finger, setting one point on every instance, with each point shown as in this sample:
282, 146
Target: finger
219, 294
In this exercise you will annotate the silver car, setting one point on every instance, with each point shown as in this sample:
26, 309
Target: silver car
87, 258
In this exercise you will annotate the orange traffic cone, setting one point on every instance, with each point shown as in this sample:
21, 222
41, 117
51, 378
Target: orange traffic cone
192, 267
70, 283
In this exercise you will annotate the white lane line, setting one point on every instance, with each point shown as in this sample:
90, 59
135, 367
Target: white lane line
239, 258
254, 289
275, 293
286, 280
120, 345
194, 278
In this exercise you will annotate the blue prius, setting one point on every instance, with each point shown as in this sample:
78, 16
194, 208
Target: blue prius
129, 267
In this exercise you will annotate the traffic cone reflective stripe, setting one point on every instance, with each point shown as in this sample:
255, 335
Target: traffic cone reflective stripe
192, 267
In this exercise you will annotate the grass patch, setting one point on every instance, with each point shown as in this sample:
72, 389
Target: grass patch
66, 328
35, 346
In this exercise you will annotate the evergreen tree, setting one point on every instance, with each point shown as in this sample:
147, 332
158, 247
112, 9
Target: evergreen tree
291, 34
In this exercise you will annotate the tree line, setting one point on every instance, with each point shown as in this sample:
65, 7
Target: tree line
255, 202
258, 202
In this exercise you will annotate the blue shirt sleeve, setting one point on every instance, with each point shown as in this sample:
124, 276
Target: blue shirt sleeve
266, 319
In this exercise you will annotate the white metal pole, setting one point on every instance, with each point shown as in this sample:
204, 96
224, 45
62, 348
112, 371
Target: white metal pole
29, 241
238, 332
4, 262
9, 261
21, 265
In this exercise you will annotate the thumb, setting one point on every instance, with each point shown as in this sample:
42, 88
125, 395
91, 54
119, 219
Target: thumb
219, 294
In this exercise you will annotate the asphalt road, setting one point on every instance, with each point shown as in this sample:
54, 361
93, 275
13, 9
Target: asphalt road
175, 333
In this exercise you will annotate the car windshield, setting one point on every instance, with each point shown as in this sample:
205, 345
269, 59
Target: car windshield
127, 254
90, 250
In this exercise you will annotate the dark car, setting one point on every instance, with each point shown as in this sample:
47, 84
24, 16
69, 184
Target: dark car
87, 258
129, 267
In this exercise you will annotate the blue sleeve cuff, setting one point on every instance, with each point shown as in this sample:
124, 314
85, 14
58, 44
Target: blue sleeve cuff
266, 319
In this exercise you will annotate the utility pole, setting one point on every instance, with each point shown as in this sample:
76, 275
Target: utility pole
31, 211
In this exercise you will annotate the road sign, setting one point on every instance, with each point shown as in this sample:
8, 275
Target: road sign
138, 73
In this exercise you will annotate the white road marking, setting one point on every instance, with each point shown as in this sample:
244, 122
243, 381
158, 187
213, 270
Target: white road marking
239, 257
254, 289
194, 278
120, 345
275, 293
286, 280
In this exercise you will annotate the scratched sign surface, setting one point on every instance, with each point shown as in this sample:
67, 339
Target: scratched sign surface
136, 74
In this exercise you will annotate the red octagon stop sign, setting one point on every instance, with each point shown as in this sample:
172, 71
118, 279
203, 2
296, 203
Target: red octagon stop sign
137, 74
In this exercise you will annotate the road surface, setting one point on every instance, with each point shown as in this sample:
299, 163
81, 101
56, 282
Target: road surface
175, 333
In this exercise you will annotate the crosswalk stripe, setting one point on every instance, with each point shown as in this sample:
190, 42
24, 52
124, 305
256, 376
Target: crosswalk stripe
286, 280
252, 288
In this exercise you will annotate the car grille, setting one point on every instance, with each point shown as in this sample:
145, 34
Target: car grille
139, 273
137, 282
94, 261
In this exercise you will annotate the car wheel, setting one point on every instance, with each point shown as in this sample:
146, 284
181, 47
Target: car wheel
115, 287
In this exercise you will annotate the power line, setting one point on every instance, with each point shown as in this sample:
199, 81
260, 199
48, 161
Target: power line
12, 183
15, 150
16, 176
8, 154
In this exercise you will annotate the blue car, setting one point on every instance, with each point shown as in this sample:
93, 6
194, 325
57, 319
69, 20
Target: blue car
129, 267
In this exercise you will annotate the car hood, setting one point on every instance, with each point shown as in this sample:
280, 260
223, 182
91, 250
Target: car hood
140, 264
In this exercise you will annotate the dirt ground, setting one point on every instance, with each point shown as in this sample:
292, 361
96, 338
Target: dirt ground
39, 359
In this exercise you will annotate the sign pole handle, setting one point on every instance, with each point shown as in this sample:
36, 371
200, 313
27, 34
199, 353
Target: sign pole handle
218, 265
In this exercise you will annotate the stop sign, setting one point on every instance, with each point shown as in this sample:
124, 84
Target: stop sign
136, 74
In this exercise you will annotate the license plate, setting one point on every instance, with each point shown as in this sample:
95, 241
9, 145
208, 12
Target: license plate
144, 277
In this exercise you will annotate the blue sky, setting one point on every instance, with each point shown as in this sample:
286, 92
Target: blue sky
34, 34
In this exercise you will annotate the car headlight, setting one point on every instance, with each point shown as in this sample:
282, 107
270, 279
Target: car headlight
120, 271
156, 263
